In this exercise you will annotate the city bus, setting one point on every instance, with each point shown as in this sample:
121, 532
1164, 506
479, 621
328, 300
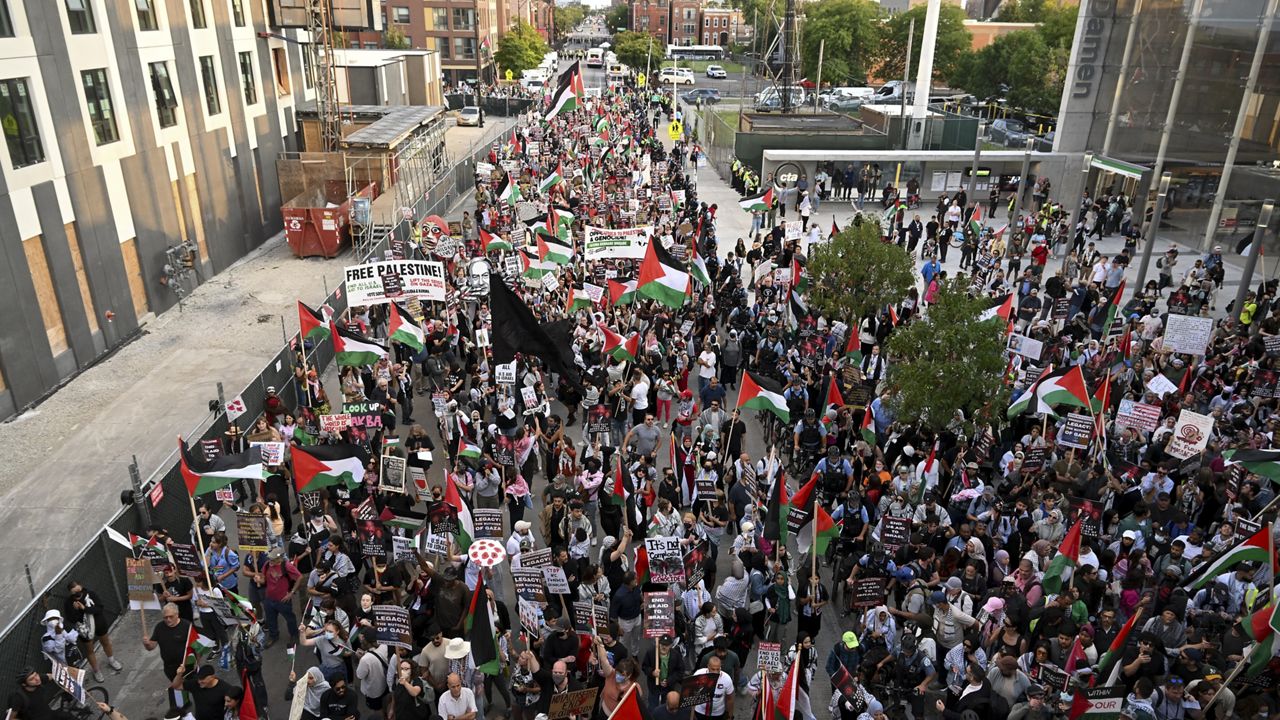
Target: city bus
695, 52
595, 57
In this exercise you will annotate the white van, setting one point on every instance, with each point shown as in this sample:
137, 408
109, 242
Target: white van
676, 76
595, 57
618, 72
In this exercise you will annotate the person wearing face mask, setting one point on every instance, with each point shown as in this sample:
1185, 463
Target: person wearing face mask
409, 699
83, 610
522, 531
331, 647
617, 680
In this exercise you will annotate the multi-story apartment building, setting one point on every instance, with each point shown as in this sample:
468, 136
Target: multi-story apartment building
131, 126
675, 22
722, 26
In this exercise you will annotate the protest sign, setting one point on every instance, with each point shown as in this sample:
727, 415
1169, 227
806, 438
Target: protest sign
504, 450
697, 690
595, 292
868, 592
1137, 415
1078, 431
487, 522
222, 608
363, 414
1088, 512
141, 578
530, 616
391, 479
769, 655
1246, 528
186, 558
253, 529
402, 549
529, 396
557, 581
433, 544
225, 494
573, 703
373, 539
1034, 460
334, 423
1190, 434
659, 615
590, 617
64, 678
1025, 346
895, 531
695, 562
505, 373
1187, 334
666, 561
392, 625
704, 487
272, 452
1159, 384
601, 243
1272, 344
211, 448
423, 279
1101, 703
536, 558
442, 517
529, 583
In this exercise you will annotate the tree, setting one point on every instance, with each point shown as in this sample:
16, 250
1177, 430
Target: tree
393, 38
520, 48
953, 45
855, 273
851, 30
567, 17
948, 361
1023, 62
637, 50
618, 18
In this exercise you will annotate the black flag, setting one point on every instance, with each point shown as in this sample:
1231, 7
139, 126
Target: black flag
516, 330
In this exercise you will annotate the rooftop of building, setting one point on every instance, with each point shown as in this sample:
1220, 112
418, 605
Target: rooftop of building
388, 125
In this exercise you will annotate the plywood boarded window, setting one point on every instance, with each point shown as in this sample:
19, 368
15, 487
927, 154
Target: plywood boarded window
281, 63
82, 281
50, 311
133, 271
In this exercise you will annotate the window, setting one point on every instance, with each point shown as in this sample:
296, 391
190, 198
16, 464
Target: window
464, 48
166, 100
20, 131
246, 78
198, 20
237, 12
439, 19
706, 22
6, 22
402, 15
442, 44
209, 76
80, 17
97, 96
308, 79
464, 19
281, 65
146, 14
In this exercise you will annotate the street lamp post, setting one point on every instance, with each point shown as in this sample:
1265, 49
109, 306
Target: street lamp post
1264, 220
1154, 228
1075, 206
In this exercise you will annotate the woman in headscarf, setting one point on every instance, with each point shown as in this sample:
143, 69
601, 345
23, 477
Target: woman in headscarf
999, 568
316, 686
975, 554
880, 622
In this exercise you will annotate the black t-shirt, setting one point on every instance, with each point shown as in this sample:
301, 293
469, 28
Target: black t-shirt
34, 705
172, 641
338, 708
207, 703
181, 586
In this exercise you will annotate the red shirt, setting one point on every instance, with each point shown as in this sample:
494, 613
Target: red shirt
279, 579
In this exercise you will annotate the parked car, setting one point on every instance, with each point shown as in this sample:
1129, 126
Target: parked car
676, 76
705, 96
1009, 133
469, 116
717, 72
769, 98
842, 103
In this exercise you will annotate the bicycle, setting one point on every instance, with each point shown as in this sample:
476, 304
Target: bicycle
66, 706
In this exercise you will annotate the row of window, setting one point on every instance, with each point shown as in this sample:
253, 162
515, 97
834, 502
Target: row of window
715, 21
82, 22
463, 18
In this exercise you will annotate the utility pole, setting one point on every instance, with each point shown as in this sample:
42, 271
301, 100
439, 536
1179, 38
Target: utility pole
788, 57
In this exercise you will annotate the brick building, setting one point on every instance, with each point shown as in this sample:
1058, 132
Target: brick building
722, 26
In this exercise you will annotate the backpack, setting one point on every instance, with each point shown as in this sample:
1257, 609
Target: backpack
248, 655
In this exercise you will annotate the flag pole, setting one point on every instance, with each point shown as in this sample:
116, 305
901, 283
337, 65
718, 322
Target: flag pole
195, 519
737, 407
1235, 672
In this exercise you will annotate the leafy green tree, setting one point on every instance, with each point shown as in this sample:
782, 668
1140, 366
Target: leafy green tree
954, 43
1058, 26
948, 361
851, 31
520, 48
1022, 61
393, 38
618, 18
855, 273
566, 18
636, 49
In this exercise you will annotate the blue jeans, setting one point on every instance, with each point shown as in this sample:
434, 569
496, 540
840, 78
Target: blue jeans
281, 607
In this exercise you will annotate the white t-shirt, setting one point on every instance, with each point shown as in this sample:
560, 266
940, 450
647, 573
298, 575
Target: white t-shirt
640, 395
461, 705
724, 688
708, 370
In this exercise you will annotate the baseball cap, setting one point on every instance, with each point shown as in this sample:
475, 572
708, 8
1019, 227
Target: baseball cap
953, 583
1130, 535
938, 597
1035, 691
849, 639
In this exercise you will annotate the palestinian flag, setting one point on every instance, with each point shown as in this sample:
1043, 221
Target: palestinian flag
778, 511
835, 229
564, 100
629, 707
204, 476
1260, 626
622, 292
620, 493
321, 466
975, 220
1067, 558
853, 348
697, 267
466, 528
578, 300
352, 349
534, 269
553, 252
602, 124
762, 393
827, 530
401, 328
468, 449
1001, 307
1101, 399
869, 426
311, 324
765, 703
1057, 387
509, 190
788, 701
799, 280
1256, 549
662, 277
481, 633
1116, 651
198, 646
800, 512
1113, 309
241, 605
248, 707
620, 348
799, 310
555, 178
834, 398
761, 202
642, 563
492, 243
1260, 462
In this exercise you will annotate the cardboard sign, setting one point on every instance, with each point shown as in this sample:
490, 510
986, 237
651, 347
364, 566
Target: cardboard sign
487, 522
393, 626
666, 559
432, 544
589, 617
423, 279
1026, 347
697, 690
141, 577
529, 583
1078, 431
392, 477
64, 678
1034, 460
659, 615
573, 703
557, 581
539, 558
253, 531
334, 423
868, 592
1159, 384
769, 655
1190, 434
272, 452
602, 243
895, 531
186, 558
505, 373
1187, 334
529, 396
226, 494
1137, 415
402, 549
1088, 512
363, 414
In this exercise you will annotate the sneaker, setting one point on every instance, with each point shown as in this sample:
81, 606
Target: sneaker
115, 664
98, 677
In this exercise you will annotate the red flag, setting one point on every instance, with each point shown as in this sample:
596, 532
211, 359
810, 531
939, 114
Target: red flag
1076, 655
833, 393
784, 708
629, 707
248, 709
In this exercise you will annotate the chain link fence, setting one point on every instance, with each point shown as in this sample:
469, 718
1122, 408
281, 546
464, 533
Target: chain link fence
718, 138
